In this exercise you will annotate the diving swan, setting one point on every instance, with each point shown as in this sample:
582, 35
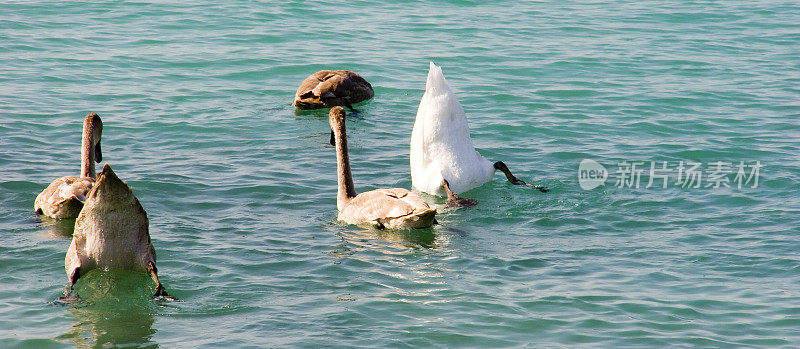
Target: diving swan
112, 232
443, 158
329, 88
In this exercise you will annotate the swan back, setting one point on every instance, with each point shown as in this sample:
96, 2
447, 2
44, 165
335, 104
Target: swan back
394, 208
328, 88
112, 229
441, 147
64, 197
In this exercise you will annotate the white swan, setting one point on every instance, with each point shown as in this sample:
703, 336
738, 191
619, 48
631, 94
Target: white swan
112, 232
394, 208
443, 158
64, 197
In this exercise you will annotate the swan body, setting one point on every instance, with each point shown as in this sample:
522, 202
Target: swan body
441, 148
111, 232
394, 208
64, 197
329, 88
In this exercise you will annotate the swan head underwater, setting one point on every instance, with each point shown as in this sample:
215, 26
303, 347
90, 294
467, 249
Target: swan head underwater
112, 232
443, 158
329, 88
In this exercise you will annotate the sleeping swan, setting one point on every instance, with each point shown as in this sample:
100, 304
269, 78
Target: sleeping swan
64, 197
394, 208
443, 158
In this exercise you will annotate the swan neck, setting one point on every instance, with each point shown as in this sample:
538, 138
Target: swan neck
347, 189
87, 149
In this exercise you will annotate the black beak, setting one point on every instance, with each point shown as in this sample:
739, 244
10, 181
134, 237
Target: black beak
98, 155
333, 140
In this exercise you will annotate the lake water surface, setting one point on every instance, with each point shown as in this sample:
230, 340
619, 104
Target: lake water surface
240, 189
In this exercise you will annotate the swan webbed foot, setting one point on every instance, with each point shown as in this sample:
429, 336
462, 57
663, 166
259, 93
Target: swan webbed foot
68, 298
514, 180
458, 202
539, 188
511, 178
453, 200
161, 293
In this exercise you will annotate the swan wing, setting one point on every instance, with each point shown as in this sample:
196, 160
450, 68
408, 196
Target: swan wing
64, 197
308, 87
383, 205
332, 87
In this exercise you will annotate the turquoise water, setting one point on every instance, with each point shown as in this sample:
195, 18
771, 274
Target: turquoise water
240, 189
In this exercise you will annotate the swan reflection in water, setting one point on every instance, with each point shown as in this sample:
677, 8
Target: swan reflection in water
397, 241
391, 265
56, 228
115, 310
391, 241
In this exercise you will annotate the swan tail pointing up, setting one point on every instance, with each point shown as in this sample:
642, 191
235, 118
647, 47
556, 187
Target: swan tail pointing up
441, 147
